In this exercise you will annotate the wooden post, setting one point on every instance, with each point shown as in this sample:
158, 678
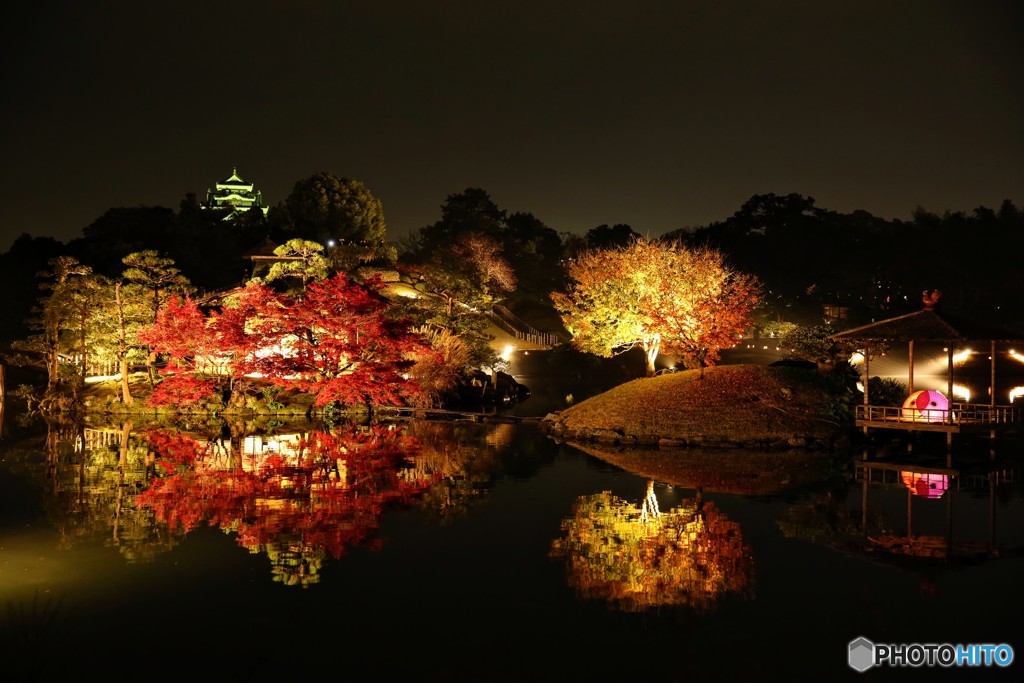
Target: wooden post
867, 374
910, 372
867, 381
992, 389
992, 399
949, 382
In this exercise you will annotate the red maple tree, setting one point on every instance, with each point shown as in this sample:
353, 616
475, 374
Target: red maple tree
182, 334
336, 340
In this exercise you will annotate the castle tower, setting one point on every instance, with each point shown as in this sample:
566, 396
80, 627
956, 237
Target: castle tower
235, 194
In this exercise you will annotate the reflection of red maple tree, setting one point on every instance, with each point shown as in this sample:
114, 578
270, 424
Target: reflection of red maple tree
326, 496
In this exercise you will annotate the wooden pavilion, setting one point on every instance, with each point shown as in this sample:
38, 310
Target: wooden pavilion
929, 325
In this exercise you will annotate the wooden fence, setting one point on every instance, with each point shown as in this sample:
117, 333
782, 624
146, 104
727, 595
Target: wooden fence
520, 329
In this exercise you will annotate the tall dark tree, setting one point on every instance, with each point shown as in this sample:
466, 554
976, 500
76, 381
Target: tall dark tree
470, 211
55, 318
27, 256
210, 249
325, 207
123, 230
535, 253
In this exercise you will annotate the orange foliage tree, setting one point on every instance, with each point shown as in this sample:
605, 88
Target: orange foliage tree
660, 296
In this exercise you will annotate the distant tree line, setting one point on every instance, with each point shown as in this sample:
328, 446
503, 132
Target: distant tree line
779, 258
808, 257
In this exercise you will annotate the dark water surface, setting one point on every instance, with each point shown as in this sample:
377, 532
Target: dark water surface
489, 552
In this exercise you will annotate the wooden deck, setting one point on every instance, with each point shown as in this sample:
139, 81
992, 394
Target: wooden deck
962, 418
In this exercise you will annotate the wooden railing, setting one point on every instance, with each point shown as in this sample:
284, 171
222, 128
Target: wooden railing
961, 413
520, 329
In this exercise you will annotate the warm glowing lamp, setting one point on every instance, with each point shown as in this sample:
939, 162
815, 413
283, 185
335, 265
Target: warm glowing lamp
928, 405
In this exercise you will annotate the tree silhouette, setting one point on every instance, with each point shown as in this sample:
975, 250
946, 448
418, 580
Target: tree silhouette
326, 207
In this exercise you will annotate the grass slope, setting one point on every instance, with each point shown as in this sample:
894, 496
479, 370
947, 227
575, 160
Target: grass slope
754, 405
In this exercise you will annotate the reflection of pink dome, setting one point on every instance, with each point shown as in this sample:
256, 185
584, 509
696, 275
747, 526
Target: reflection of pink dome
925, 485
925, 406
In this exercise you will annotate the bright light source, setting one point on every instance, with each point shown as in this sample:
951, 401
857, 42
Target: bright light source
961, 356
961, 392
1016, 392
507, 353
856, 357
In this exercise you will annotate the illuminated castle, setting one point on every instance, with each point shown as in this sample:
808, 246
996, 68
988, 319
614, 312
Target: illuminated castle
236, 194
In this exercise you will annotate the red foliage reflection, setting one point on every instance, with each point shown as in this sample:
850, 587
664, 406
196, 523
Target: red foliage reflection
318, 494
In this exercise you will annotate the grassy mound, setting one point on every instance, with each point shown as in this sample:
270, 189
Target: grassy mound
747, 405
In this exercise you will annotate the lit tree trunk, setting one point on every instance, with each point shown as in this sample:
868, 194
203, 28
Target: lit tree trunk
651, 348
52, 357
83, 348
126, 390
122, 347
702, 362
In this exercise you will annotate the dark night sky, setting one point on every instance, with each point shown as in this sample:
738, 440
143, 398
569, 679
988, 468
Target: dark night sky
657, 114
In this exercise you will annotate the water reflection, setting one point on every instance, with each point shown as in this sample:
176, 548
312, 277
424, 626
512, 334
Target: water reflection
297, 497
638, 557
925, 484
531, 555
926, 489
315, 498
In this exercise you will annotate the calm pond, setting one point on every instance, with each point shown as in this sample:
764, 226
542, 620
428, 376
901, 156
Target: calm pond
468, 551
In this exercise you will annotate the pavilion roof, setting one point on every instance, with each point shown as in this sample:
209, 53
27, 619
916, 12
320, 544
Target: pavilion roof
929, 325
263, 249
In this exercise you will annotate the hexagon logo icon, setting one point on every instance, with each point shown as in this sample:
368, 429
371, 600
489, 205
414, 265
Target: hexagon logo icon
862, 654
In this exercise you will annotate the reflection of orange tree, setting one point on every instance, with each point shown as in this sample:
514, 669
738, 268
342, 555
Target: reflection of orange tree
88, 481
298, 507
637, 558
